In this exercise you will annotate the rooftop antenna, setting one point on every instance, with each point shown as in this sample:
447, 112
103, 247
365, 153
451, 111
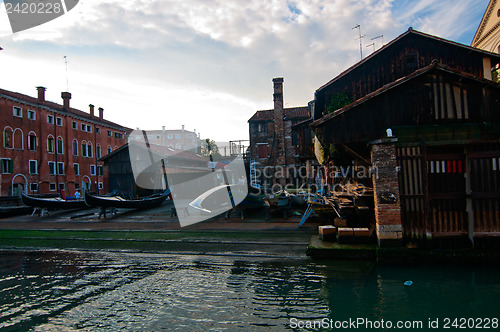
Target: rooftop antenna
372, 44
381, 36
360, 40
67, 80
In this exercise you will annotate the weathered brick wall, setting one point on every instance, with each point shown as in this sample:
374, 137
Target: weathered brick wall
386, 192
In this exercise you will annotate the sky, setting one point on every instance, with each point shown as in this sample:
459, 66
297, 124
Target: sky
209, 64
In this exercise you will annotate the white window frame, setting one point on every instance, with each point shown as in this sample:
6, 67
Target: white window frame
11, 163
31, 115
17, 111
74, 125
31, 186
53, 163
76, 169
50, 119
59, 164
92, 169
52, 185
33, 162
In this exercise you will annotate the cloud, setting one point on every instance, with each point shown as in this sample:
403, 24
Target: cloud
216, 57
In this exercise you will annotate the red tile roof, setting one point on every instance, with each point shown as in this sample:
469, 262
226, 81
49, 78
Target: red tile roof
57, 107
292, 113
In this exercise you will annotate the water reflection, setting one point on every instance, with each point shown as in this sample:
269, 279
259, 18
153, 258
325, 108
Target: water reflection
67, 290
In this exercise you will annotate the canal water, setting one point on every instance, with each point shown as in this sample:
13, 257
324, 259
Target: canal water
110, 291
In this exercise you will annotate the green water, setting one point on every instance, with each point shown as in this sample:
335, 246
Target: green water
113, 291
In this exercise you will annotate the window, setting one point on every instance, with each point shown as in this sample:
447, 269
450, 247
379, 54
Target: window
32, 141
31, 116
262, 150
59, 122
262, 127
84, 149
119, 135
7, 138
97, 130
60, 148
77, 186
177, 136
74, 125
18, 139
100, 185
99, 171
50, 119
61, 186
52, 168
86, 127
60, 168
6, 166
76, 168
32, 166
109, 133
52, 186
50, 144
170, 136
98, 151
89, 150
17, 112
34, 187
75, 147
92, 169
109, 149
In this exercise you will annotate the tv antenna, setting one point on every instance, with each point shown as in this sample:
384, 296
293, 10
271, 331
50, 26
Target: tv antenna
372, 44
360, 40
381, 36
66, 64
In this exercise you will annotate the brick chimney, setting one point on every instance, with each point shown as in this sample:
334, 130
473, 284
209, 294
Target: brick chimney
278, 121
91, 107
66, 96
41, 93
101, 112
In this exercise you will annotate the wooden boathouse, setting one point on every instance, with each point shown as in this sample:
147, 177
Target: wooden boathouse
425, 113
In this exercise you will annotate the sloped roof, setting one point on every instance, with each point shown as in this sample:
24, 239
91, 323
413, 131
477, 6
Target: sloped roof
409, 32
482, 32
387, 87
291, 113
25, 99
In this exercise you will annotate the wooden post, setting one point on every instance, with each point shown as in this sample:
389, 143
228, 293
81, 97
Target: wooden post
468, 200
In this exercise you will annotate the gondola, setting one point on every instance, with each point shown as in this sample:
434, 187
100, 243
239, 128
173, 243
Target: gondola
53, 203
119, 202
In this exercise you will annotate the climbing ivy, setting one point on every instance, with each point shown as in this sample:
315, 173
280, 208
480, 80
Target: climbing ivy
337, 101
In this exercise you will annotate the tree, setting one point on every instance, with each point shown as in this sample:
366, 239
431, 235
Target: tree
207, 146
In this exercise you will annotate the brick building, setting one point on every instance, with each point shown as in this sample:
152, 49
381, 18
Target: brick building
47, 147
272, 141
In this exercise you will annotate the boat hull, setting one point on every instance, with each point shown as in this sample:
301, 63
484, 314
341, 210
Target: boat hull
54, 203
119, 202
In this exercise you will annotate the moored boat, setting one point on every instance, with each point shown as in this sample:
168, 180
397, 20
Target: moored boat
53, 203
120, 202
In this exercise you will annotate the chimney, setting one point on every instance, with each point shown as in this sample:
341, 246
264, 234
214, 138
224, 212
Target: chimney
101, 111
91, 110
278, 120
66, 96
41, 93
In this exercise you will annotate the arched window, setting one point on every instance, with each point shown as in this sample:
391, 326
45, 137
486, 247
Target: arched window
84, 149
89, 149
109, 149
98, 151
18, 139
60, 145
8, 137
50, 144
75, 147
32, 141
